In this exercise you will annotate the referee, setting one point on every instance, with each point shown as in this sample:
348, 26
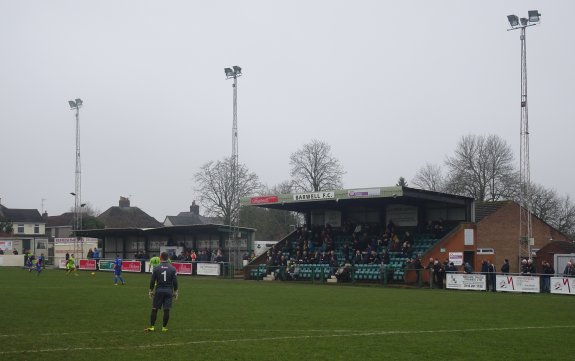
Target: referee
165, 280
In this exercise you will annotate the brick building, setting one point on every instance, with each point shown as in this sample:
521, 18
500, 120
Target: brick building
498, 230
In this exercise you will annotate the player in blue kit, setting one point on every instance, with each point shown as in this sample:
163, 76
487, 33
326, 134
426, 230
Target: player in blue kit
118, 270
165, 282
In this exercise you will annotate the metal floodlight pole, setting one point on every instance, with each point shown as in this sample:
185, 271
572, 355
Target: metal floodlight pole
234, 73
525, 206
76, 105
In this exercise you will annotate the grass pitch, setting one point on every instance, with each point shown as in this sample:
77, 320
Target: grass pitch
56, 317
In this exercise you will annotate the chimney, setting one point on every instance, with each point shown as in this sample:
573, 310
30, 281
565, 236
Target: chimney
194, 208
45, 215
124, 202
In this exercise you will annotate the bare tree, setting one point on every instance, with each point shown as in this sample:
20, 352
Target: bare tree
217, 192
429, 177
313, 168
481, 168
564, 219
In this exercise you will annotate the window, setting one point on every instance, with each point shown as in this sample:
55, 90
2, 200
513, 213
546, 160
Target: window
36, 228
20, 228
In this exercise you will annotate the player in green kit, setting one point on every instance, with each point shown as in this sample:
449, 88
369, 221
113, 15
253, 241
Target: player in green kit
163, 288
71, 266
154, 261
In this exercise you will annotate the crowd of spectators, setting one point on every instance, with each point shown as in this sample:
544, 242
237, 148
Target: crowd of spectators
362, 244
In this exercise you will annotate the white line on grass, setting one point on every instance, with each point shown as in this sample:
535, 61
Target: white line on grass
280, 338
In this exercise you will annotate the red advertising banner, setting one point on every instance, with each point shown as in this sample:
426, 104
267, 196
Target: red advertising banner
89, 264
264, 199
183, 268
131, 266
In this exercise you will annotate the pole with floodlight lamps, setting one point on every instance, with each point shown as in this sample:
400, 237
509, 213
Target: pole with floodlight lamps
76, 105
525, 225
234, 73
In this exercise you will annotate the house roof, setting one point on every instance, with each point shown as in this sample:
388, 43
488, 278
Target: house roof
484, 209
128, 217
21, 215
190, 218
63, 220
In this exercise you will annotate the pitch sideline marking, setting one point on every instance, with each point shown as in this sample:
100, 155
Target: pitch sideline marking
280, 338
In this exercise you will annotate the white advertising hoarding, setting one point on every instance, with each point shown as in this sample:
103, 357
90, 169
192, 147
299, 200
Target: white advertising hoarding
508, 283
563, 285
208, 269
460, 281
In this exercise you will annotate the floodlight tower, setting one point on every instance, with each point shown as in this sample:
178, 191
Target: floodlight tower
525, 229
234, 73
76, 105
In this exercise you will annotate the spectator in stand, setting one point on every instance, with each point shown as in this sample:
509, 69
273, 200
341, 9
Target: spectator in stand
491, 276
90, 254
373, 258
358, 258
345, 251
385, 257
390, 227
524, 268
548, 271
429, 267
438, 272
569, 270
418, 267
406, 249
505, 267
467, 268
530, 269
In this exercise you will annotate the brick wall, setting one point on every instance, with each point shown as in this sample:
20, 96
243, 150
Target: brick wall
500, 231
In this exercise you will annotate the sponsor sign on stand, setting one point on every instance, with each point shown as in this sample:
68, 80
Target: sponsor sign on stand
208, 269
264, 199
106, 265
183, 268
456, 258
563, 285
127, 266
369, 192
507, 283
458, 281
87, 264
313, 196
131, 266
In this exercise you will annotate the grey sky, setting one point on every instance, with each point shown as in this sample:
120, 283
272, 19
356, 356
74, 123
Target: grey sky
390, 85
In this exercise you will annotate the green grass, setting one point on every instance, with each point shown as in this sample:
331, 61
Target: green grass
55, 317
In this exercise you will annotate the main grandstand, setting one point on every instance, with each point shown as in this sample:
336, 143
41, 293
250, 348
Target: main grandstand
393, 234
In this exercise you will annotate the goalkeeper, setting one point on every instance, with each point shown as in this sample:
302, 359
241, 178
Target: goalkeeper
165, 281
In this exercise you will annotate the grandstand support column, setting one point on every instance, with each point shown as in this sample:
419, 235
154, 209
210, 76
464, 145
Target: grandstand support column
525, 207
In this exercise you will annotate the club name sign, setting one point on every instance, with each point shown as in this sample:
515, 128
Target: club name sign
316, 196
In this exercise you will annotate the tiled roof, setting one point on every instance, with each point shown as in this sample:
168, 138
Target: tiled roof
63, 220
21, 215
190, 219
127, 217
484, 209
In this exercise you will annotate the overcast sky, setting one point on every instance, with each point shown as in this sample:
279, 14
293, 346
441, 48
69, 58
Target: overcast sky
390, 85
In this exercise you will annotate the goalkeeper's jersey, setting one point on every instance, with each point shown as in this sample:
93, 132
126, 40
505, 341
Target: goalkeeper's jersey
164, 276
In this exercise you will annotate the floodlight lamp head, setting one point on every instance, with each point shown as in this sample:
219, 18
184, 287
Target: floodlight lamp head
72, 104
237, 70
513, 20
79, 102
534, 16
524, 21
229, 72
72, 193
